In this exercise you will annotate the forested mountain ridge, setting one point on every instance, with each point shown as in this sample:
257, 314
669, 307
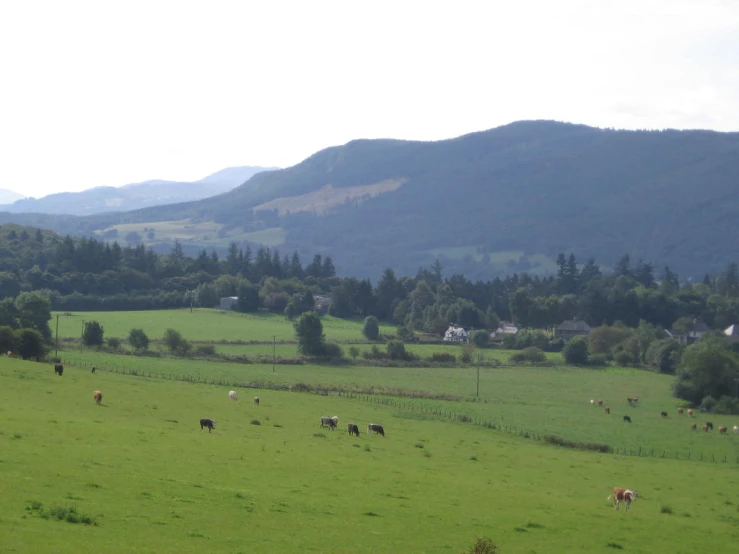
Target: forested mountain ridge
493, 202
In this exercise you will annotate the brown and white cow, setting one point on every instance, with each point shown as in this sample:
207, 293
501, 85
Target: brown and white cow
207, 422
633, 399
97, 397
705, 428
690, 413
328, 422
722, 430
623, 495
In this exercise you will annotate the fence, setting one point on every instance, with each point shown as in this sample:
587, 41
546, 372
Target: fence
433, 411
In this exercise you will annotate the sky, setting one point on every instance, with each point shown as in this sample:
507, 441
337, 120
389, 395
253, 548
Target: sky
108, 93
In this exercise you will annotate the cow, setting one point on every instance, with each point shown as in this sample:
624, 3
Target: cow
376, 428
705, 428
256, 401
207, 422
600, 402
709, 425
335, 419
664, 415
58, 369
592, 403
690, 413
680, 411
722, 430
693, 427
93, 369
328, 422
608, 410
627, 419
10, 354
97, 397
736, 430
633, 399
623, 495
353, 429
232, 395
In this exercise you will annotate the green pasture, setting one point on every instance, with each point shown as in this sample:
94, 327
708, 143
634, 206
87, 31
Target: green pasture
544, 400
204, 325
142, 469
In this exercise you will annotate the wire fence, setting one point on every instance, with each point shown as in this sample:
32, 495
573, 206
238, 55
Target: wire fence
435, 411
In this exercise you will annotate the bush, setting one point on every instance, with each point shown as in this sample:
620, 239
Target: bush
332, 350
598, 360
354, 352
92, 334
480, 339
114, 343
483, 546
371, 328
575, 351
396, 350
726, 405
138, 339
534, 355
205, 350
176, 343
623, 358
708, 403
443, 357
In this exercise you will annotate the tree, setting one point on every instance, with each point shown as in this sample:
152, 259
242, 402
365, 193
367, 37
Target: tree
396, 350
707, 368
353, 352
133, 238
138, 339
8, 341
664, 355
371, 328
30, 344
176, 343
309, 332
480, 339
34, 312
575, 351
248, 294
93, 334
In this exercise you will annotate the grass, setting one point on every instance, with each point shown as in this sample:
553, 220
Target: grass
161, 486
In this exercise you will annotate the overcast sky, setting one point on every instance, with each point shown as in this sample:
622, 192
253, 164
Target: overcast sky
114, 92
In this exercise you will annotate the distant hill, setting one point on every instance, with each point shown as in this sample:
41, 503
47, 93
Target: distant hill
500, 201
133, 196
8, 196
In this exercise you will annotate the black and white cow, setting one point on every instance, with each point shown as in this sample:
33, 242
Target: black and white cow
207, 422
58, 369
353, 429
627, 419
376, 428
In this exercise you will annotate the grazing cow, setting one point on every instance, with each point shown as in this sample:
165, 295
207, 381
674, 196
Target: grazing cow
58, 369
335, 419
600, 402
232, 395
705, 428
608, 410
328, 422
736, 430
680, 411
592, 402
709, 425
10, 354
376, 428
97, 397
623, 495
633, 399
627, 419
722, 430
93, 369
690, 413
256, 401
206, 422
353, 429
693, 427
664, 415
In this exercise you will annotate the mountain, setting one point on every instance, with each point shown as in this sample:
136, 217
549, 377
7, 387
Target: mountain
8, 196
134, 196
499, 201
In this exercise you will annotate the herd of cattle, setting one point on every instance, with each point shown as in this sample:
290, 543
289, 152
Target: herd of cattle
634, 400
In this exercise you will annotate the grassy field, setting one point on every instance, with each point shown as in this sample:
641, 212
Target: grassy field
204, 325
542, 400
140, 467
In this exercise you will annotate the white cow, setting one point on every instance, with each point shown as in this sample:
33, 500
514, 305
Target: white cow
232, 395
736, 430
256, 401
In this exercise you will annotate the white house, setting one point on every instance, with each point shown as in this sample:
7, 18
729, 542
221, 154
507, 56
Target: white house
228, 302
504, 329
455, 333
732, 332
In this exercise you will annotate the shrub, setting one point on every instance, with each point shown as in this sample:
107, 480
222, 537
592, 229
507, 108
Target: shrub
726, 405
575, 351
354, 352
205, 350
623, 358
396, 350
708, 403
371, 328
598, 360
480, 339
114, 343
176, 343
332, 350
534, 355
93, 334
138, 339
443, 357
483, 546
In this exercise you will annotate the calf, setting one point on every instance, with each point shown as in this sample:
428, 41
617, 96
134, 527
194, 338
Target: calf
608, 410
623, 495
376, 428
353, 429
664, 415
207, 422
58, 369
722, 430
627, 419
97, 397
256, 401
328, 422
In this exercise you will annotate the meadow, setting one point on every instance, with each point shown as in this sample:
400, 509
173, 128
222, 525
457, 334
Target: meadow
150, 480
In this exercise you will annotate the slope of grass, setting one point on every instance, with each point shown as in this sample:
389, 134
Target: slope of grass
152, 481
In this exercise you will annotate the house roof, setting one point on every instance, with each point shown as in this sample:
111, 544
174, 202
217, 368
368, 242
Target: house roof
732, 330
574, 325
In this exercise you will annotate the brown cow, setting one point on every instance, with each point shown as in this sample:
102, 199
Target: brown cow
705, 428
722, 430
693, 427
680, 411
97, 397
623, 495
608, 410
600, 402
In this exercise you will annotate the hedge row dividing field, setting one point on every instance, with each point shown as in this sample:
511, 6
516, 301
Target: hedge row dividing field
137, 474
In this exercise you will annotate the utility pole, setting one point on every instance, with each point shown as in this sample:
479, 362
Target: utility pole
274, 351
82, 336
56, 339
736, 390
477, 392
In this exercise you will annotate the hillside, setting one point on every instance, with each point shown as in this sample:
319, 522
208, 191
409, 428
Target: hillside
133, 196
7, 196
503, 200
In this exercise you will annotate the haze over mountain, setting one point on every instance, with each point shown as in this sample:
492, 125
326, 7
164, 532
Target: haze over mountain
8, 196
133, 196
503, 200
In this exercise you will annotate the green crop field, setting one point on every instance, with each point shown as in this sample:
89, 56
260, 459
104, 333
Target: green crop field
204, 325
150, 480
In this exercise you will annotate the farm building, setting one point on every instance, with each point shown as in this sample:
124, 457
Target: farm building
691, 334
572, 328
504, 329
732, 332
228, 302
455, 333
